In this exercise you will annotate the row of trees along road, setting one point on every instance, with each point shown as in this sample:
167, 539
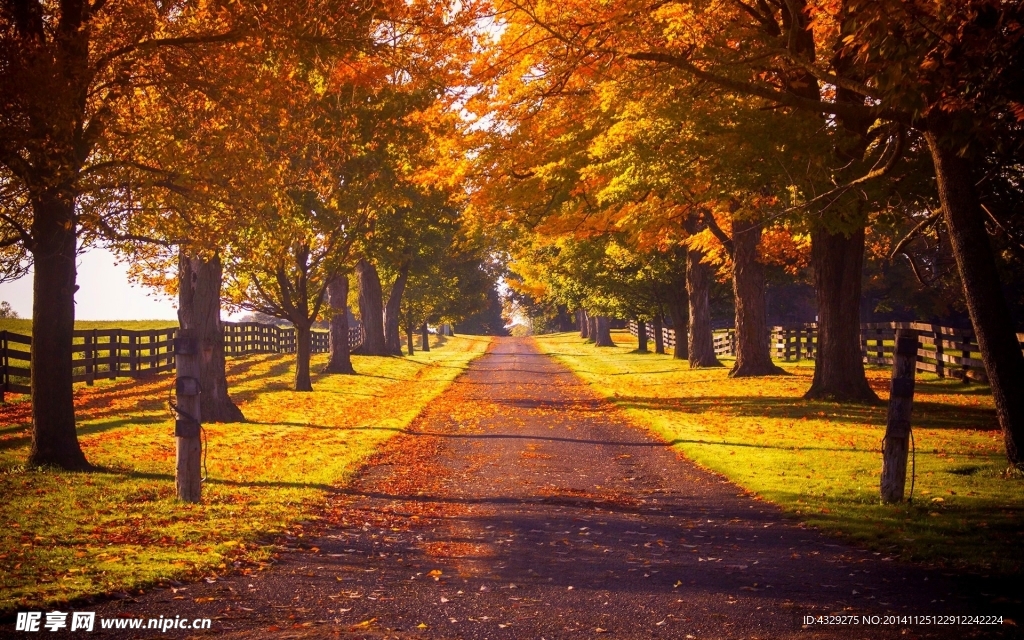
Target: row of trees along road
627, 156
251, 152
637, 146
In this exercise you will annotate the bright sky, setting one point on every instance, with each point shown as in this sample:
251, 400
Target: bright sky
104, 293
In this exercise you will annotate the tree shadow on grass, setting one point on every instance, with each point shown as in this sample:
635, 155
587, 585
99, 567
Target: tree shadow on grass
927, 415
91, 429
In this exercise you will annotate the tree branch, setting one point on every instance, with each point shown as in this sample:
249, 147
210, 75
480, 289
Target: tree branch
843, 110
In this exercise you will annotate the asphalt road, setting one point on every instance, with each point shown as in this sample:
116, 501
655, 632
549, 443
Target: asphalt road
519, 505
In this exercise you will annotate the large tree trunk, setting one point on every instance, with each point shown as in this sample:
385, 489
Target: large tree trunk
54, 438
303, 350
990, 316
659, 333
838, 261
603, 333
641, 336
592, 327
424, 338
392, 333
371, 310
753, 356
199, 283
678, 311
701, 341
339, 360
409, 333
581, 319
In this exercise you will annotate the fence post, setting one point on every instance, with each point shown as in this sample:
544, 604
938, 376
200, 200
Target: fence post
187, 477
133, 354
3, 366
115, 353
90, 358
895, 445
940, 364
966, 347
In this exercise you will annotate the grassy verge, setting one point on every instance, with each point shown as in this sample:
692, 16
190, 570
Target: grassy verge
24, 325
67, 535
821, 461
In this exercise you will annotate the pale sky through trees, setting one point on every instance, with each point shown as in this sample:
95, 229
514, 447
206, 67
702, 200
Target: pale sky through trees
105, 293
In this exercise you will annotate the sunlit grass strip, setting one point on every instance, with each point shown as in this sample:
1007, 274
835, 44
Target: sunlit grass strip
821, 461
67, 535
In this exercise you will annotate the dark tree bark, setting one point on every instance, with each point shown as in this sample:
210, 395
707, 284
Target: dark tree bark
659, 333
753, 356
592, 326
641, 336
990, 316
584, 321
701, 340
424, 337
303, 352
339, 360
199, 285
679, 313
603, 332
54, 438
392, 312
408, 340
371, 310
838, 261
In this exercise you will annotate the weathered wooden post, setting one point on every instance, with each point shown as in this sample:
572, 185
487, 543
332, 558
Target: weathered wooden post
965, 355
3, 365
90, 358
187, 477
940, 351
895, 445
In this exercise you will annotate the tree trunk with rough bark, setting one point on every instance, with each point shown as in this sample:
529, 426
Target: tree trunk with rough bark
641, 336
371, 310
392, 312
424, 337
679, 312
592, 327
659, 334
54, 437
700, 338
753, 356
199, 285
303, 351
993, 326
581, 320
339, 360
838, 261
603, 333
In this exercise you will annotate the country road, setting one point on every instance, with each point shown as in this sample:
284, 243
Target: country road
519, 505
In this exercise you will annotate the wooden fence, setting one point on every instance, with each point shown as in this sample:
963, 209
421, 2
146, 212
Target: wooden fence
944, 351
123, 353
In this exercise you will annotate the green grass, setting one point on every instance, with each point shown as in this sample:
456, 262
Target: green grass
821, 461
24, 326
67, 535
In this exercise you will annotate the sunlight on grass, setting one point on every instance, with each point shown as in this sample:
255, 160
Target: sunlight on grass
67, 535
822, 460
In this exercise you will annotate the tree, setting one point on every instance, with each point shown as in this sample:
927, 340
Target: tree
337, 313
72, 80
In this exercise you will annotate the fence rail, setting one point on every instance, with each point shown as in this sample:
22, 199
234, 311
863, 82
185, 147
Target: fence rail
944, 351
124, 353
